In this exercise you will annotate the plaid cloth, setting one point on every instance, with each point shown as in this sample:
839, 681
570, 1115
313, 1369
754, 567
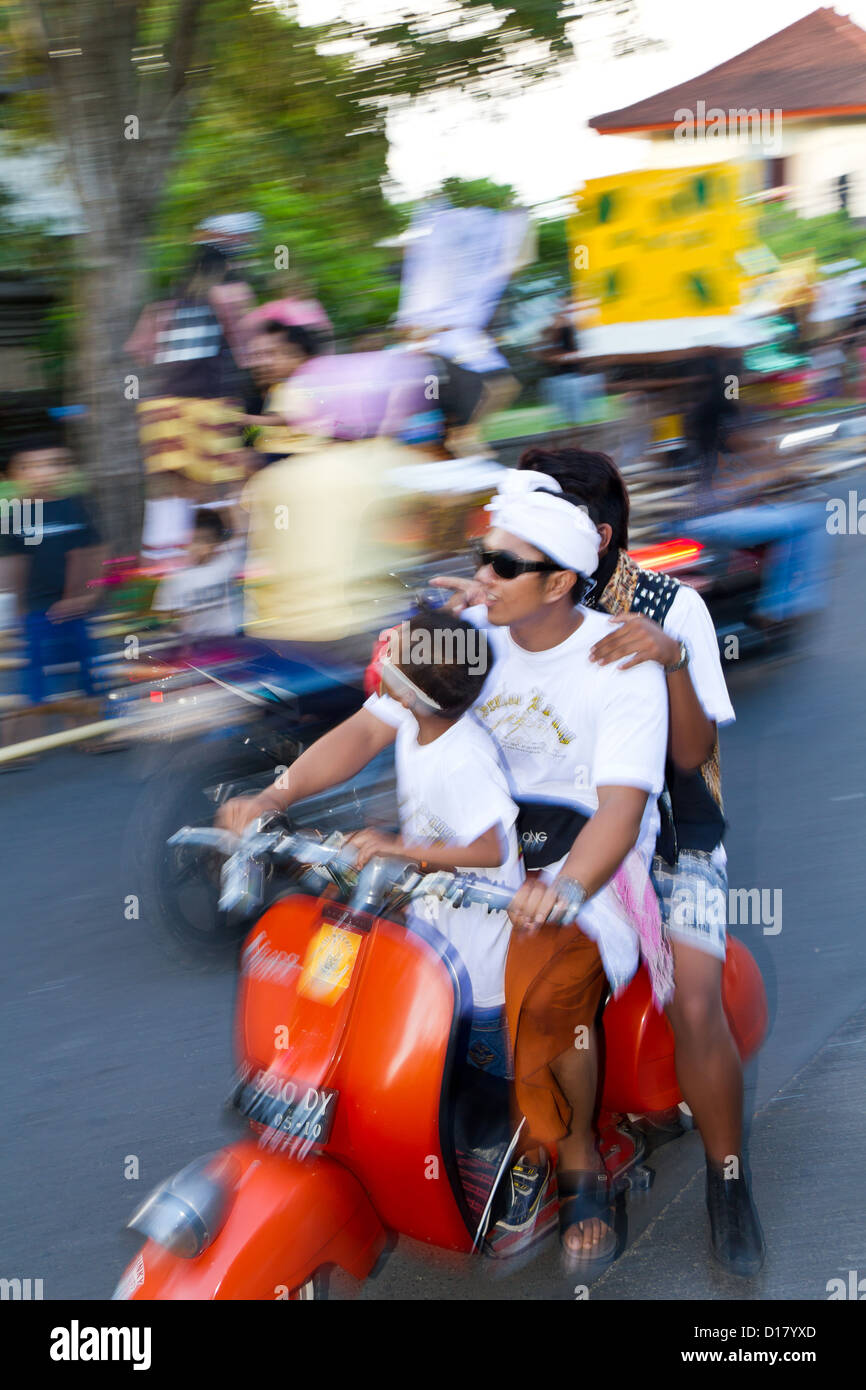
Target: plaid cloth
693, 898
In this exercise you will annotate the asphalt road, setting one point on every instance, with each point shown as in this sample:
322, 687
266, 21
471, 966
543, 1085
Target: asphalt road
108, 1051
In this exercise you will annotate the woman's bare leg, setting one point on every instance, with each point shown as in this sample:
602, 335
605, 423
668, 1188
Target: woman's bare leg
709, 1070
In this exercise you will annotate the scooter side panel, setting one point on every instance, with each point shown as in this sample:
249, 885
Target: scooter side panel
278, 1025
286, 1221
393, 1126
744, 998
385, 1044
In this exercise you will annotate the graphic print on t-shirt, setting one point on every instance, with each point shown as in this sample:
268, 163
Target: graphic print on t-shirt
526, 723
429, 827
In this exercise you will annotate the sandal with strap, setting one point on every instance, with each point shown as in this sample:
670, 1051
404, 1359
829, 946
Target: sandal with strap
586, 1195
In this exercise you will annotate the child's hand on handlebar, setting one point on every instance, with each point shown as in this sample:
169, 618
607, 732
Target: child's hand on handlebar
366, 844
241, 811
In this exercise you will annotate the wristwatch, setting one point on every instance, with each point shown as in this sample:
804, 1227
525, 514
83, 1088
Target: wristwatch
683, 661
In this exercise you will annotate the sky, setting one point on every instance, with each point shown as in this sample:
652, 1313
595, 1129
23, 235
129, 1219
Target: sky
538, 140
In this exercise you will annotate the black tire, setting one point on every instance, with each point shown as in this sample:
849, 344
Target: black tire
180, 907
315, 1288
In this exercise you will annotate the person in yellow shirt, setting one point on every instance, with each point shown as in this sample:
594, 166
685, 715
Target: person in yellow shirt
321, 546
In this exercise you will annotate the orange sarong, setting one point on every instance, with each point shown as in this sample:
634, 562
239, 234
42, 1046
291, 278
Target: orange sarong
553, 983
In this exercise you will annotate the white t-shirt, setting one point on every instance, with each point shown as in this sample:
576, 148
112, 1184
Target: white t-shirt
203, 595
565, 726
449, 792
688, 620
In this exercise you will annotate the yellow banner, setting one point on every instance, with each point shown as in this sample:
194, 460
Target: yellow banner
661, 243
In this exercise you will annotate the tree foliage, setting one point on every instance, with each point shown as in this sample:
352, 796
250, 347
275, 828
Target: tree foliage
169, 110
832, 237
240, 108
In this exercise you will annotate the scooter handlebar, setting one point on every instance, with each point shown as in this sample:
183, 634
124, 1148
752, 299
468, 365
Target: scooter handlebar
464, 890
243, 873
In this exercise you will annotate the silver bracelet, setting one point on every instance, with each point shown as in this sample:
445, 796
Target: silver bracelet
572, 892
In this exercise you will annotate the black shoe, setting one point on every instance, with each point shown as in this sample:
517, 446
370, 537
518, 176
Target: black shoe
737, 1238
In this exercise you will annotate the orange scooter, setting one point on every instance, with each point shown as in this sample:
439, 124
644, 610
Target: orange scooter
366, 1119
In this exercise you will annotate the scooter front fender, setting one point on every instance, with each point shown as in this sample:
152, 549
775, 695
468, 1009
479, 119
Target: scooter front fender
286, 1220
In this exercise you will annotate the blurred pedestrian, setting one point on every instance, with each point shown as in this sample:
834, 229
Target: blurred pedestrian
201, 597
712, 417
564, 387
828, 362
325, 519
196, 344
53, 555
276, 352
294, 306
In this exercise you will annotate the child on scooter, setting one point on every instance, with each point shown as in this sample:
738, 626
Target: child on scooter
456, 810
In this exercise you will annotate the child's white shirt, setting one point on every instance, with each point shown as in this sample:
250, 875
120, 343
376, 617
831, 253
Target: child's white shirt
450, 792
203, 595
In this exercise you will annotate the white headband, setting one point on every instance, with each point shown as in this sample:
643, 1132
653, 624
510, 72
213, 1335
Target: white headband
554, 526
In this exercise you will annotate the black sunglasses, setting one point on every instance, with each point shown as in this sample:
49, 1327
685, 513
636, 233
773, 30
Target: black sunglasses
506, 565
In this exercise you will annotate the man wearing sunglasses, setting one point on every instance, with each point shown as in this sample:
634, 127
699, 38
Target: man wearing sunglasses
584, 746
656, 619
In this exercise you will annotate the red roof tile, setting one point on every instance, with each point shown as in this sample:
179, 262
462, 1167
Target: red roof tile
815, 66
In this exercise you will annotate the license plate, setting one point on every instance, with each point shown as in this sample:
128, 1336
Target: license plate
296, 1115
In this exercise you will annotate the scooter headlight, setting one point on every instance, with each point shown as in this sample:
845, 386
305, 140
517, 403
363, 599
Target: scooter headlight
186, 1213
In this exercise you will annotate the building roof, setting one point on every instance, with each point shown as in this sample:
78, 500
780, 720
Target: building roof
814, 67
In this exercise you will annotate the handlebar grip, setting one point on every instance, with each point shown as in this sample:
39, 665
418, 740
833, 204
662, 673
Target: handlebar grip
205, 837
495, 900
496, 897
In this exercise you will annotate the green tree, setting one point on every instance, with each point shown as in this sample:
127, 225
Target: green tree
129, 86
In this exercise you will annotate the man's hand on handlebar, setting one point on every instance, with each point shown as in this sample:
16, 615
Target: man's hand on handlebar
537, 904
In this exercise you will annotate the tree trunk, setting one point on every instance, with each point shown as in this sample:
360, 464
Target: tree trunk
112, 290
120, 137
